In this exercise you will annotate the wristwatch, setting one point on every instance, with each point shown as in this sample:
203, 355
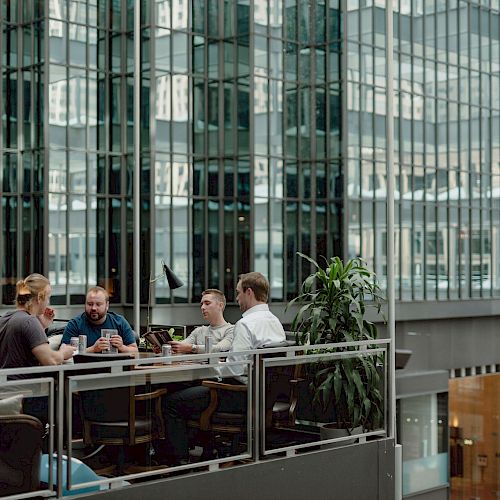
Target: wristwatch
194, 349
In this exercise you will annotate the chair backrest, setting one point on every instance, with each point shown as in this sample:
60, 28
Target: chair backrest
122, 415
277, 379
20, 454
104, 407
107, 405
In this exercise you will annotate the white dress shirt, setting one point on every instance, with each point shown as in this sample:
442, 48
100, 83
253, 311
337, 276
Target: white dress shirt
257, 328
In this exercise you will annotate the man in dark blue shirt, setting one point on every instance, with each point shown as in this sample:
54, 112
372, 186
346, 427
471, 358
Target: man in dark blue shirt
97, 317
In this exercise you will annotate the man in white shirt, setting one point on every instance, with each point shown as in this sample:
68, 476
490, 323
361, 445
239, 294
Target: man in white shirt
257, 328
213, 303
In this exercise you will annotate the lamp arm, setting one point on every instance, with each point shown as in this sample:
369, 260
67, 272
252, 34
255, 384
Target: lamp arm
156, 278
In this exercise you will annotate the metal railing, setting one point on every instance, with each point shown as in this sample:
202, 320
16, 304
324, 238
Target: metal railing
263, 438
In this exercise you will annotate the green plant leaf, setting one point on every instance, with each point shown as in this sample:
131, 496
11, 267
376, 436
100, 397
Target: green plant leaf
337, 383
311, 260
333, 302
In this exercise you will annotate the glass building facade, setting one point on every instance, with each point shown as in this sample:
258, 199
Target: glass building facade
240, 143
262, 134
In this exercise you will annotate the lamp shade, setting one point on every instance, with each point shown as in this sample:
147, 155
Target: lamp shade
173, 280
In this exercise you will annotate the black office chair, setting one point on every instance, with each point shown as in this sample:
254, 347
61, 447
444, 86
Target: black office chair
21, 439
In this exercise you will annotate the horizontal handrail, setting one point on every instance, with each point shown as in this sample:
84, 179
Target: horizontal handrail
35, 370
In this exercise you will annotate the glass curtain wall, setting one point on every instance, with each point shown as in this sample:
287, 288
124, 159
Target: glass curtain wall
243, 158
446, 105
312, 136
22, 181
365, 151
240, 143
245, 141
65, 145
89, 74
447, 147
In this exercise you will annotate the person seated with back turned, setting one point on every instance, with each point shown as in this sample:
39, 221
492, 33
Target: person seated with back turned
96, 318
213, 303
257, 328
23, 341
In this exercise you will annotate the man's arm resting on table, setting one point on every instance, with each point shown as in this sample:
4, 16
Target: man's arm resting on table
118, 342
128, 348
129, 339
226, 342
189, 345
47, 357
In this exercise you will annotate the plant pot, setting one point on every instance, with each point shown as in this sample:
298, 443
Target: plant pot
330, 431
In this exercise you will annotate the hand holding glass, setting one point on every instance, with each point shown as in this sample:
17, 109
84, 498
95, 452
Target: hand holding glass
108, 333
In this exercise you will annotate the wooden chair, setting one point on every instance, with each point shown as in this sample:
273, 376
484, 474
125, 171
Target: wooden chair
120, 417
20, 454
280, 399
213, 422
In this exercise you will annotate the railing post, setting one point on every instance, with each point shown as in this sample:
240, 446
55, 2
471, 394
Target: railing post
60, 429
257, 404
391, 320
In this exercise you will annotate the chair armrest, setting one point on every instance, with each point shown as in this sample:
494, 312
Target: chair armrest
150, 395
215, 387
224, 387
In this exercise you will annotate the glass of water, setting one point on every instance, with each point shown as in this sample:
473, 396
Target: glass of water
107, 333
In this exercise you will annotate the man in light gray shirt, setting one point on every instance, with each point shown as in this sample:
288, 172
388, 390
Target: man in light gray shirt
213, 303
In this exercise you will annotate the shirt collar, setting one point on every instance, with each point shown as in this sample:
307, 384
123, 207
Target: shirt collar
258, 307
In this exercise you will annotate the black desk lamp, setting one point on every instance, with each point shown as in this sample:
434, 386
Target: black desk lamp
173, 283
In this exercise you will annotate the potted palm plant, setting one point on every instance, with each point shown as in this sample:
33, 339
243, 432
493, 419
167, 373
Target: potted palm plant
332, 306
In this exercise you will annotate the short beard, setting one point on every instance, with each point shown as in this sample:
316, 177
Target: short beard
89, 317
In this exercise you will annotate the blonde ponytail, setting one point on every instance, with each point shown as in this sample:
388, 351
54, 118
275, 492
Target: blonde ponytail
29, 288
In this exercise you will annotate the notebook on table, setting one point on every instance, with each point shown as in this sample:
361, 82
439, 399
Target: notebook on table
158, 337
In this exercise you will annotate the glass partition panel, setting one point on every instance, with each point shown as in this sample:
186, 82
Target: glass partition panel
154, 413
423, 432
26, 434
322, 395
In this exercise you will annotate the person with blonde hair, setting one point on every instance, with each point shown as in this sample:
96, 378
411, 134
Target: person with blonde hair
23, 341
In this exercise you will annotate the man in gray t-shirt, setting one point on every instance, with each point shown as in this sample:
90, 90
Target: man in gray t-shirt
213, 303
